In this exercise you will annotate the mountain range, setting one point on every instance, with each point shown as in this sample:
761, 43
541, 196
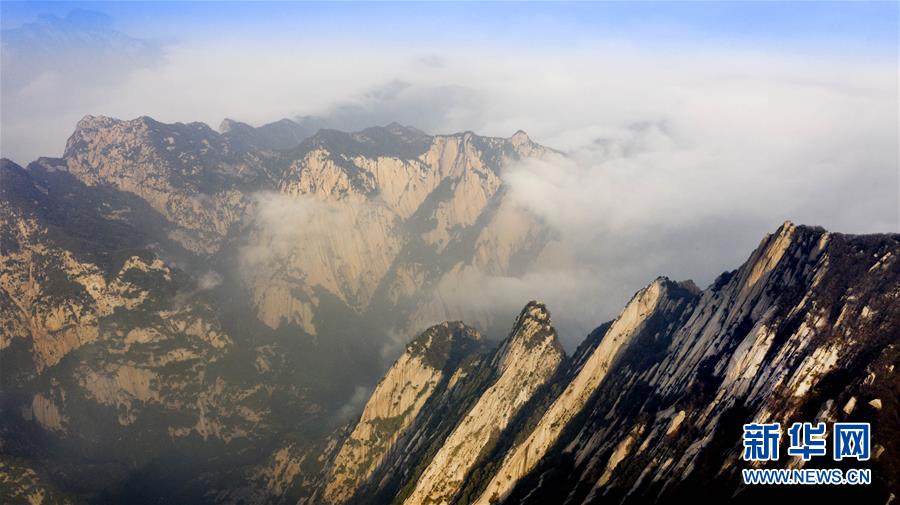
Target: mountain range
200, 316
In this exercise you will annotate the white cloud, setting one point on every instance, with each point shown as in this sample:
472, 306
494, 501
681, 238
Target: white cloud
209, 280
680, 160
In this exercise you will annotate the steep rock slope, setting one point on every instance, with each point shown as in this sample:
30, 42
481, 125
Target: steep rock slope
56, 281
422, 209
652, 313
427, 365
464, 398
650, 406
111, 353
131, 277
805, 330
192, 175
527, 360
280, 203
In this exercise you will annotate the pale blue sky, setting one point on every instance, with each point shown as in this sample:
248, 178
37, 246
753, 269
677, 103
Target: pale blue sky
802, 26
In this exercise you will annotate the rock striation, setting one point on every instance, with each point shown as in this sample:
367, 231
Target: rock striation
650, 407
209, 310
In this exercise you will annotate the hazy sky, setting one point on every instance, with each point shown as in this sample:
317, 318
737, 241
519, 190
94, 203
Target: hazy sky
441, 66
693, 128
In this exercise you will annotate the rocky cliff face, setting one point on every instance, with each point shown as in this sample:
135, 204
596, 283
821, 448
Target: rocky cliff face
196, 293
795, 333
650, 407
527, 360
109, 351
658, 308
427, 365
192, 316
424, 209
459, 407
190, 174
